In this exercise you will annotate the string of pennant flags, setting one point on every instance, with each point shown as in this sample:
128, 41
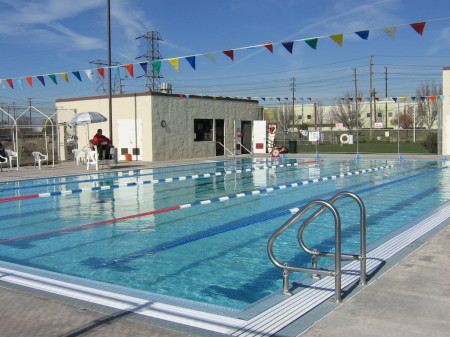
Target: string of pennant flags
418, 27
312, 100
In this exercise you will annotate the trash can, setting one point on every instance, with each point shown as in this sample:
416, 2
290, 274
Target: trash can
292, 148
127, 157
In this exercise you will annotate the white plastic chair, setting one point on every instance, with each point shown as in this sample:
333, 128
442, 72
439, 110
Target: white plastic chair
92, 158
11, 157
79, 156
38, 157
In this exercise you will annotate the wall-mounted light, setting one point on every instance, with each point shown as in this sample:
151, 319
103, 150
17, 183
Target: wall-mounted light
163, 123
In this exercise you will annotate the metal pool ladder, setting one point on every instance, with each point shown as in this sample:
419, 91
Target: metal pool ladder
337, 255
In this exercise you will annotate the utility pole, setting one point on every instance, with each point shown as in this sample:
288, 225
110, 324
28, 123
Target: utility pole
293, 100
357, 113
108, 36
152, 54
31, 121
370, 92
385, 93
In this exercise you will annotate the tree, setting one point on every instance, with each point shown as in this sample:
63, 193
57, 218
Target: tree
285, 117
428, 108
345, 112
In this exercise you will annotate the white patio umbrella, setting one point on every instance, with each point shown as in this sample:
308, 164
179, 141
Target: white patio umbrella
85, 118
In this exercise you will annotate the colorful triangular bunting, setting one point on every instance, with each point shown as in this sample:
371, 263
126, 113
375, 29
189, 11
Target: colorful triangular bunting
41, 78
53, 78
269, 46
390, 31
418, 27
211, 56
229, 53
130, 69
10, 82
88, 73
312, 43
338, 38
101, 71
29, 80
363, 34
144, 66
288, 45
77, 75
65, 77
157, 65
191, 60
174, 63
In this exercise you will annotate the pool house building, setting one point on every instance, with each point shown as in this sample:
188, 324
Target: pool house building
154, 126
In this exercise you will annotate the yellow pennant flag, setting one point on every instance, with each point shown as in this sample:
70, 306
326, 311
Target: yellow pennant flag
403, 99
64, 76
338, 38
174, 63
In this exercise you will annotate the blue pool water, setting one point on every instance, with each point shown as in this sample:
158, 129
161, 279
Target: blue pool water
213, 253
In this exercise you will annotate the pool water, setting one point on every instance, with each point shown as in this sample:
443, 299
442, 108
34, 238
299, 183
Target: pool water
215, 252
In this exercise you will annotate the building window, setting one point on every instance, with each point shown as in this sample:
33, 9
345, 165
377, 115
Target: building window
368, 115
389, 114
203, 129
308, 117
379, 114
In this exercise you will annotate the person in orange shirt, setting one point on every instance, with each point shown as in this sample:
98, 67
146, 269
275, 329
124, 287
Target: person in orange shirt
103, 144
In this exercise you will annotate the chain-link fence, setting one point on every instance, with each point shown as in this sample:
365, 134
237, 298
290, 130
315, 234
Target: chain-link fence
365, 141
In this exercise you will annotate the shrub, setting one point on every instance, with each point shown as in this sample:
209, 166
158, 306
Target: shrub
431, 143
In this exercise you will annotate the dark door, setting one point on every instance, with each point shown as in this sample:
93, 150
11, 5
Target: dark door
220, 151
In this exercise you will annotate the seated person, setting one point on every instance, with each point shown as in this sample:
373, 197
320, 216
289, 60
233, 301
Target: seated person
103, 144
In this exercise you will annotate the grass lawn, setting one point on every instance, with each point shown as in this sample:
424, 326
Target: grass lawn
369, 147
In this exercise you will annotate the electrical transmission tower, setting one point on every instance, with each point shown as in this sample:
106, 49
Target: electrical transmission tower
116, 82
152, 54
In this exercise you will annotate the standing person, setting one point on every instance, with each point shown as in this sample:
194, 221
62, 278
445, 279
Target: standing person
103, 144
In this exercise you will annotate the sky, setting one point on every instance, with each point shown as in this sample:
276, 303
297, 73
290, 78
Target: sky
61, 36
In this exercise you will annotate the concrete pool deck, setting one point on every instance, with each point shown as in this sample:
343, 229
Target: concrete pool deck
410, 299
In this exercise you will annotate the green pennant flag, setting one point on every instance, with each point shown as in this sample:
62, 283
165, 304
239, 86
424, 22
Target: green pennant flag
53, 78
312, 43
157, 65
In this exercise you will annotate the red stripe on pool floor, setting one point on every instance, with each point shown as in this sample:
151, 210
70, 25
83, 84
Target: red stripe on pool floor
91, 224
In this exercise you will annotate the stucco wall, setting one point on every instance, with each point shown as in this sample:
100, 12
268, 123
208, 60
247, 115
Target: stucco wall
176, 139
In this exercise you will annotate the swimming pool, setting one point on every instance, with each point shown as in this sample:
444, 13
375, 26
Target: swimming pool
166, 241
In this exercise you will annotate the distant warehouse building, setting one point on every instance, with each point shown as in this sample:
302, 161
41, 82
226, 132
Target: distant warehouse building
155, 126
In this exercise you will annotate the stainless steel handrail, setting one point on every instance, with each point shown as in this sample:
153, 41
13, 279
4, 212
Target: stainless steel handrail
362, 253
245, 148
337, 255
225, 148
286, 267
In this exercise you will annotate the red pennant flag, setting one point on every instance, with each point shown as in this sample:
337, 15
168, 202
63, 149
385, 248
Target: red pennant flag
130, 69
418, 27
230, 54
269, 46
101, 71
432, 98
10, 82
29, 80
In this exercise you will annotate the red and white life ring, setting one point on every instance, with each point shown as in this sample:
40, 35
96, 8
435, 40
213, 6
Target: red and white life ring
275, 153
